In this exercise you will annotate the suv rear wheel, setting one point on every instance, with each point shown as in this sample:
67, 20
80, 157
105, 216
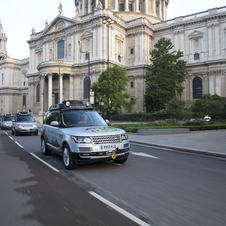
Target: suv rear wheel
67, 159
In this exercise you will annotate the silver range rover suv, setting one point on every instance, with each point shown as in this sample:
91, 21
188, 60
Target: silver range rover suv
78, 133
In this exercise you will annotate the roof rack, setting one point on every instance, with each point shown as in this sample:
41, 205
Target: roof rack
71, 104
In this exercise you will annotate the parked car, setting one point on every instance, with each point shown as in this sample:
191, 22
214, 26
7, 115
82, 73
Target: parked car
0, 121
80, 135
24, 123
7, 121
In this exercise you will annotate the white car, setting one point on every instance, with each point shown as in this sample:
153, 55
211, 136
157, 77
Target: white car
78, 133
24, 124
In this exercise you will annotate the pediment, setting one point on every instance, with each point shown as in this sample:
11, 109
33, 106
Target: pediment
58, 24
195, 34
87, 35
119, 37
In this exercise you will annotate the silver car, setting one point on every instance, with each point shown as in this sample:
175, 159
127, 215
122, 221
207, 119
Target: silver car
7, 121
78, 133
24, 123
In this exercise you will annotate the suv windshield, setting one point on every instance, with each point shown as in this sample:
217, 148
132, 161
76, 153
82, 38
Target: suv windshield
24, 118
80, 118
8, 118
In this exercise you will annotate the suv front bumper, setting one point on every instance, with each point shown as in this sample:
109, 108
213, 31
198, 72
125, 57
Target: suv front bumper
82, 158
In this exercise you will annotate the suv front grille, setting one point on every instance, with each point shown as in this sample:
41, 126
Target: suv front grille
106, 139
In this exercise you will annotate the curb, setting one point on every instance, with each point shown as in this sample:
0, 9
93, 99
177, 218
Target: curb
194, 151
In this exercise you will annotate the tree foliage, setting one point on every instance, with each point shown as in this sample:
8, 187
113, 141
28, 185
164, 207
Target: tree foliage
213, 105
166, 75
118, 94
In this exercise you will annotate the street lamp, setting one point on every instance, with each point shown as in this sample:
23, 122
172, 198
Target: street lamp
87, 52
108, 21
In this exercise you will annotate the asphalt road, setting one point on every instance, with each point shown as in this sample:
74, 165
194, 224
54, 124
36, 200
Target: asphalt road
160, 187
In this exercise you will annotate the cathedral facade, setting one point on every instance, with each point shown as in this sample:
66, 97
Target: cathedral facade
69, 54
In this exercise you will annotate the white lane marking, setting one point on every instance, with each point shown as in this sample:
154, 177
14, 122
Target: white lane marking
53, 168
143, 155
120, 210
10, 137
19, 144
151, 146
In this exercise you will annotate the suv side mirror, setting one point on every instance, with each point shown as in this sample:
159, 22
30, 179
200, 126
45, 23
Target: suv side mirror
107, 121
54, 123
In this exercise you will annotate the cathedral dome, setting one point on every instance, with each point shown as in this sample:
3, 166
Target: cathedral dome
154, 10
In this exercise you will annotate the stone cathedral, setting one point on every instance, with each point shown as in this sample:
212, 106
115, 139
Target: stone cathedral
69, 54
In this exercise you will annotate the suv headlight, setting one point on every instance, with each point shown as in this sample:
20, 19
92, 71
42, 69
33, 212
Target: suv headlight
124, 136
81, 139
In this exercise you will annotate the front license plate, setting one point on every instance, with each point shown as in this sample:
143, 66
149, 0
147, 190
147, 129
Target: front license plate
108, 147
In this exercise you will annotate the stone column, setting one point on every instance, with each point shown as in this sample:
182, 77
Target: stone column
216, 39
89, 6
210, 40
141, 46
160, 9
154, 7
116, 5
61, 87
50, 89
164, 10
42, 96
126, 5
71, 91
94, 40
137, 6
106, 4
146, 7
83, 7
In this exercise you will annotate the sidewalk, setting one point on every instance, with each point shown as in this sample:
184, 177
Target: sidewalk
208, 142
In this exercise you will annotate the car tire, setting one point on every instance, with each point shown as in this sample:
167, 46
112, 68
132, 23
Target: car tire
15, 133
12, 131
67, 159
121, 161
44, 149
36, 133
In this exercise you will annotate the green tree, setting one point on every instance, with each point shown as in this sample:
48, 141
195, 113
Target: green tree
166, 75
118, 94
213, 105
178, 109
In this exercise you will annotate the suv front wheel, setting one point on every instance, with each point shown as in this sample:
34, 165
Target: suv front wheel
45, 150
67, 159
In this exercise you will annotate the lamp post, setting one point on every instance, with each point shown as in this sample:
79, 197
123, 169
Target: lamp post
108, 21
87, 52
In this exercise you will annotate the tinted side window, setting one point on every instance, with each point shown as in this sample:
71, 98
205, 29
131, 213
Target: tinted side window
53, 116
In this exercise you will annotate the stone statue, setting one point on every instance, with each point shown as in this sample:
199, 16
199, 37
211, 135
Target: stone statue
46, 23
99, 5
33, 31
78, 11
61, 9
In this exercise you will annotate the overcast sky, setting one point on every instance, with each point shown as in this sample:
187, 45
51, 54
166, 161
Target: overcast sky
19, 16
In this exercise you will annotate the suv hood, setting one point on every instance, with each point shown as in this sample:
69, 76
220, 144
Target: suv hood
93, 131
26, 123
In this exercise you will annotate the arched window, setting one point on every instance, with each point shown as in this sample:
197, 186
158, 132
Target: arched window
197, 88
24, 100
86, 87
87, 56
61, 49
38, 93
